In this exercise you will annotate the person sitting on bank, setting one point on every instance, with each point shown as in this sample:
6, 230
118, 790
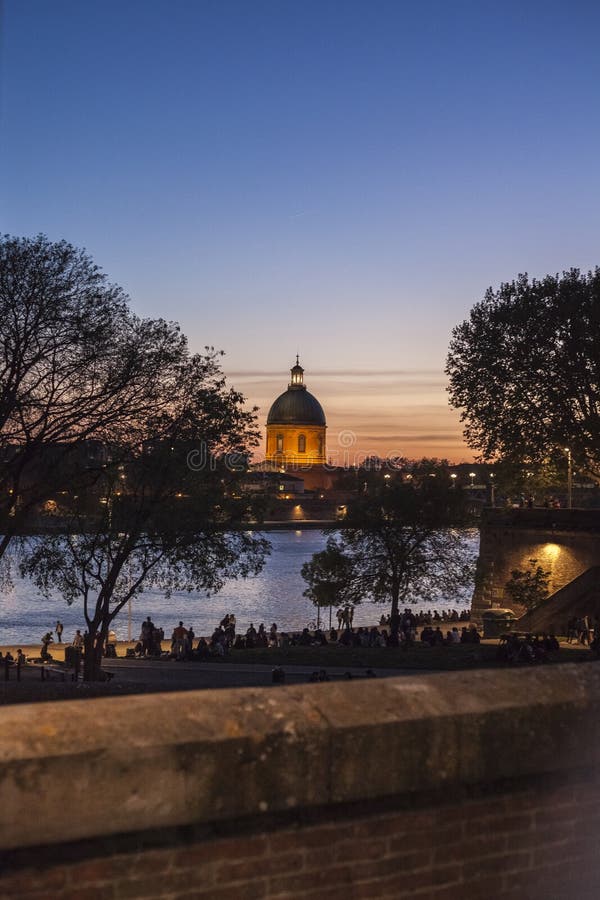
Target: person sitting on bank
203, 650
262, 639
251, 637
46, 641
474, 636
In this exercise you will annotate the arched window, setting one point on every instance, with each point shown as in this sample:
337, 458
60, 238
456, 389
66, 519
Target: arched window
301, 443
280, 443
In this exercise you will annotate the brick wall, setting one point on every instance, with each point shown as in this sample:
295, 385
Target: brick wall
499, 798
524, 842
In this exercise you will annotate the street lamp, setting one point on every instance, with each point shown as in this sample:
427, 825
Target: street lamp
453, 476
569, 478
472, 477
492, 489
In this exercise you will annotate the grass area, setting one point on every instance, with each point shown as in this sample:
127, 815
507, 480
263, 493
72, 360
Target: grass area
419, 656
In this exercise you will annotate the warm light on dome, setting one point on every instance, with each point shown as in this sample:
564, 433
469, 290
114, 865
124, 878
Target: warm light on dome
296, 425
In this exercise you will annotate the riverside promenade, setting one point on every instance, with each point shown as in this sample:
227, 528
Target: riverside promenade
249, 668
133, 676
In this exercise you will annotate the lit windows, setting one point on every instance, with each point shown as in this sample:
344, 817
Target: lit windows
301, 443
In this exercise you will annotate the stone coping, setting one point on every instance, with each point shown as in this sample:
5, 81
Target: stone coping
540, 517
90, 769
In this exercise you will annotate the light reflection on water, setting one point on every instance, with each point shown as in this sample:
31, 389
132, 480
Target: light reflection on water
273, 596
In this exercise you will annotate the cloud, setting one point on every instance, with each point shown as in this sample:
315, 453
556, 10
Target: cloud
341, 373
443, 437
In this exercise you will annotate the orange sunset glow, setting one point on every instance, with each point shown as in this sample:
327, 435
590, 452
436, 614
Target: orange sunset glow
384, 413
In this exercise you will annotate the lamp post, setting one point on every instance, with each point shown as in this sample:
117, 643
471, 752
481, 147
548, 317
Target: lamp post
492, 489
472, 477
569, 478
454, 476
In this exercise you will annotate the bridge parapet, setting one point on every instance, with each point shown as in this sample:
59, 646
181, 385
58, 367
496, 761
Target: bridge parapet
565, 542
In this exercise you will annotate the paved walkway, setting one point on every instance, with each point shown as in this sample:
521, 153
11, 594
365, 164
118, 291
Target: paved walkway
222, 674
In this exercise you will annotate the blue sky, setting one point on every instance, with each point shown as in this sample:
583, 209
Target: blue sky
339, 179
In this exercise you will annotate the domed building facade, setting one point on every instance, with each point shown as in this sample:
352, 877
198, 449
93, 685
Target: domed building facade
296, 426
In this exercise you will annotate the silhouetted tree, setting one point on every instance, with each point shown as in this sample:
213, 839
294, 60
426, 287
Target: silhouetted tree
524, 369
172, 513
528, 587
397, 545
329, 575
76, 368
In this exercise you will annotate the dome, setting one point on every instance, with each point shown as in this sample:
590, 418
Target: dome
296, 406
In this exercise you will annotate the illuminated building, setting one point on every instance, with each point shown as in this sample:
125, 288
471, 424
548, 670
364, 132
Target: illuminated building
296, 426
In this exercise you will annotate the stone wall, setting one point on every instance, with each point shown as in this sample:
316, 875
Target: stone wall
449, 786
565, 542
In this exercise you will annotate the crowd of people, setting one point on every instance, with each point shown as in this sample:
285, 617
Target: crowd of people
583, 629
226, 638
7, 659
427, 627
434, 618
435, 636
528, 648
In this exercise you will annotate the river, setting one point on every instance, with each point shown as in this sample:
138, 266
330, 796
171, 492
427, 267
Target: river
273, 596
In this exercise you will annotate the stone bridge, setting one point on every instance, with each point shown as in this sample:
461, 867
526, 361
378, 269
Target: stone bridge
565, 542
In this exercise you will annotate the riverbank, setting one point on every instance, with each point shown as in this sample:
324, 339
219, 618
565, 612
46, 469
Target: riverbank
417, 655
253, 668
276, 594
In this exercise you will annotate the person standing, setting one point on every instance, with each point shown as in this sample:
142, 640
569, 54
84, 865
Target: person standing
178, 641
189, 642
59, 630
147, 632
78, 640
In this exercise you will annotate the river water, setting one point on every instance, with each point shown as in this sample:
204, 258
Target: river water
273, 596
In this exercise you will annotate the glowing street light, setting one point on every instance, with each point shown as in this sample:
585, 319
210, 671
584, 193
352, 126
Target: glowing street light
453, 476
492, 489
472, 477
569, 478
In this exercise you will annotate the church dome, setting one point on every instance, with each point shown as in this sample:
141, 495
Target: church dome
296, 406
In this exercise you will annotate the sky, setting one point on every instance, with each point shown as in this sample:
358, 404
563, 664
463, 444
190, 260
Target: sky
339, 179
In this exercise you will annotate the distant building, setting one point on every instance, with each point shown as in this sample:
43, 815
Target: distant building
296, 426
280, 483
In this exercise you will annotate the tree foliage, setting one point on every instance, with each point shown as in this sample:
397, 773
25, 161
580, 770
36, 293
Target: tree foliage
398, 544
528, 587
76, 367
168, 511
524, 368
330, 577
143, 444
